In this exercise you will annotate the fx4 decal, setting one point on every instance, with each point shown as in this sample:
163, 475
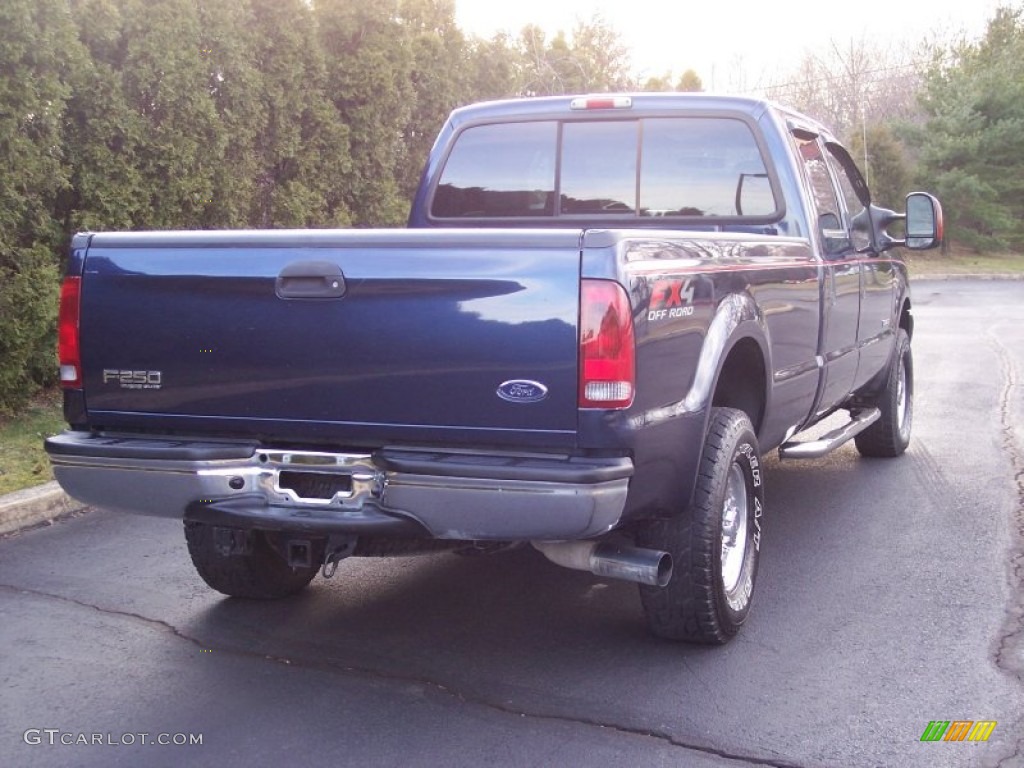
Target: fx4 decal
671, 298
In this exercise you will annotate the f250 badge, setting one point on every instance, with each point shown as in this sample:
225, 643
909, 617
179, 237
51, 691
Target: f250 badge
522, 391
133, 379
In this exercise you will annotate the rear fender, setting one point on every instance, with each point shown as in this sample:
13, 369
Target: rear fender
736, 318
678, 430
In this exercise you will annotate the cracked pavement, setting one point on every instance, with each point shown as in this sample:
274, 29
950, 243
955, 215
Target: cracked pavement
890, 594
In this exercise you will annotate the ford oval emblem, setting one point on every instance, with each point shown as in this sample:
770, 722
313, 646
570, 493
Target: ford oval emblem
522, 391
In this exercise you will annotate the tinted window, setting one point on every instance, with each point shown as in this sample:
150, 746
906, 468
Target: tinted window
820, 182
835, 239
693, 167
599, 167
857, 218
702, 167
499, 170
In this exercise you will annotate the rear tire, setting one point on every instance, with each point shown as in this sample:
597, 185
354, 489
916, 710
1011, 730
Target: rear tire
258, 573
890, 435
714, 544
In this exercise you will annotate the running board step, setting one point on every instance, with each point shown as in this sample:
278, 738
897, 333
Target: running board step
813, 449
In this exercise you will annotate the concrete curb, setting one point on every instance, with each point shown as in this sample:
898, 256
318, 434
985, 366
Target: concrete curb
32, 506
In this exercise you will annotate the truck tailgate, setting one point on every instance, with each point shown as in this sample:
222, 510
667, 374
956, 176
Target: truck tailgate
317, 337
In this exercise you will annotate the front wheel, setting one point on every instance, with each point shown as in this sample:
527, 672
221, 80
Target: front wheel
714, 544
890, 435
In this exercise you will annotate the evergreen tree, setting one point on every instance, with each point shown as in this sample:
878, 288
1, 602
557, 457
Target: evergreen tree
972, 146
227, 48
103, 134
494, 69
38, 50
440, 80
166, 84
302, 147
886, 169
369, 79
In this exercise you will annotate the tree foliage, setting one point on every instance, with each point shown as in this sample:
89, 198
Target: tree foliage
302, 146
590, 60
38, 54
438, 80
882, 158
688, 82
972, 145
145, 114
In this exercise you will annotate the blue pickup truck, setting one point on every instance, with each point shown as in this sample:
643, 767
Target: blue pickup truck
604, 311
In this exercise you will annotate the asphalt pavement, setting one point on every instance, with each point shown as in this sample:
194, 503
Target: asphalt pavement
889, 596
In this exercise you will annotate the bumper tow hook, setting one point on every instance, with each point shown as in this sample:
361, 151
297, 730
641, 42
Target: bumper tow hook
337, 549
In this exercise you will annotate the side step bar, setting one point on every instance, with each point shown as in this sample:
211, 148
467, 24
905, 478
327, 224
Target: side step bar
813, 449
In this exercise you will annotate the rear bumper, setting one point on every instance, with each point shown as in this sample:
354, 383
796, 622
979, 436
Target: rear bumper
391, 492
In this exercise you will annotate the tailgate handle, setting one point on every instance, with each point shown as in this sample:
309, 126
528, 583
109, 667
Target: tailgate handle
310, 280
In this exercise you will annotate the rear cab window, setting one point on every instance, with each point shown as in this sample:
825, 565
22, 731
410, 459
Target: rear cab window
499, 170
704, 168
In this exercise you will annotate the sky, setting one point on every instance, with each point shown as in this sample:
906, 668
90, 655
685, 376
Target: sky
735, 45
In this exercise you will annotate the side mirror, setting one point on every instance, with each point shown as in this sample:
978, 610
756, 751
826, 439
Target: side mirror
924, 222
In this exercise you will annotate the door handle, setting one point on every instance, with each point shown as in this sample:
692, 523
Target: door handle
310, 280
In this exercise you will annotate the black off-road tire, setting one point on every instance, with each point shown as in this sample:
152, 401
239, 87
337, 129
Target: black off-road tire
261, 573
890, 435
698, 605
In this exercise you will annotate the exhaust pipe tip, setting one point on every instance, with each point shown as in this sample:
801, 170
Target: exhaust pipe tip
652, 567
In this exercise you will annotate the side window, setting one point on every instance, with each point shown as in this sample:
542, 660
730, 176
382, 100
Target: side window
499, 170
850, 181
834, 237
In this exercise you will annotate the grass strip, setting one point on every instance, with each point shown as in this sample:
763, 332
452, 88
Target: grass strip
23, 462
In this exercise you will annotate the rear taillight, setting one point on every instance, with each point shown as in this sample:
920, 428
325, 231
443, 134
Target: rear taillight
67, 333
607, 371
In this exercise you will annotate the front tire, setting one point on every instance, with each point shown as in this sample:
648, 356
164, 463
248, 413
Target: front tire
258, 572
890, 435
714, 544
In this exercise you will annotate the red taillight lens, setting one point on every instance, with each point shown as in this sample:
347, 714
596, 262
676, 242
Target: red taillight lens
607, 371
67, 333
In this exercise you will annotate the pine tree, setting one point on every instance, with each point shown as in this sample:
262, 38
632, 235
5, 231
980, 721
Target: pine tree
494, 69
103, 134
227, 45
369, 67
886, 169
439, 77
38, 50
303, 144
165, 80
972, 146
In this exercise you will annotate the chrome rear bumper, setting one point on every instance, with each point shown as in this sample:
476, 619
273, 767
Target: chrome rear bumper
445, 495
